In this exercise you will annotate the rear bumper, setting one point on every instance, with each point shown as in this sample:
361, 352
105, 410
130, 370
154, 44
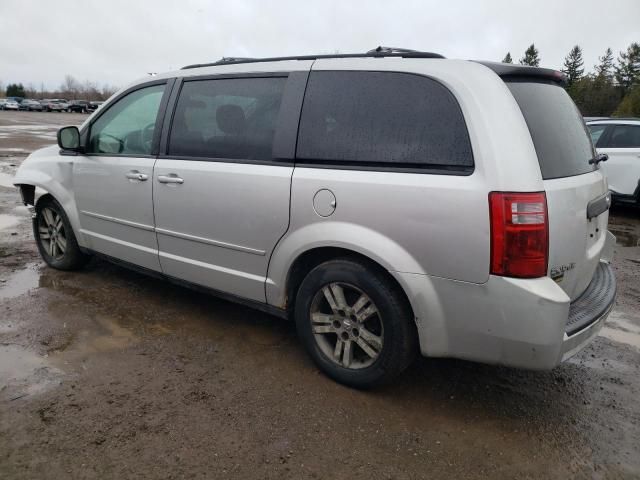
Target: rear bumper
588, 312
524, 323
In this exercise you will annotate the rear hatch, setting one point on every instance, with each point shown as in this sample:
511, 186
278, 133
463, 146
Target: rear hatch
564, 148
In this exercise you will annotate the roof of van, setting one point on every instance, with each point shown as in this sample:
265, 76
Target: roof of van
504, 70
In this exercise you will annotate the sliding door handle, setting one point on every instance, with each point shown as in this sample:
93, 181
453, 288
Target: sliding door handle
136, 175
171, 178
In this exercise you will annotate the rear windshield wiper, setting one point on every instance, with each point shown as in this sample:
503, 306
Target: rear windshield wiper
601, 157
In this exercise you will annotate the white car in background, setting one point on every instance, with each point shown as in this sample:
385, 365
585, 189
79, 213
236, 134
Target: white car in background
619, 138
8, 104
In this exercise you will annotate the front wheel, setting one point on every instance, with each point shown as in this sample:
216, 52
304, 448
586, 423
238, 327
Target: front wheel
55, 238
355, 324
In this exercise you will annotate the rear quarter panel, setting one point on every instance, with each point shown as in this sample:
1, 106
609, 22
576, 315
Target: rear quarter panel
417, 223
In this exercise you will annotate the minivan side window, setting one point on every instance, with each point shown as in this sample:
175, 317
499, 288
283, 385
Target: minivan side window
624, 136
383, 119
232, 118
128, 126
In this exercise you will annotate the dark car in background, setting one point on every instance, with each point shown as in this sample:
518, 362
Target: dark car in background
78, 106
93, 106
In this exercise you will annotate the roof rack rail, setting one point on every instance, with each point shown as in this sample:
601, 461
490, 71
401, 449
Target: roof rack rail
375, 53
383, 50
224, 60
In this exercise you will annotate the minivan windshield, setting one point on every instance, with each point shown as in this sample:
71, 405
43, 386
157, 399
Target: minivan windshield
558, 131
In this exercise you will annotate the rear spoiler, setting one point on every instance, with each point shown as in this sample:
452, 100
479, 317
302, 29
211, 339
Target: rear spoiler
509, 71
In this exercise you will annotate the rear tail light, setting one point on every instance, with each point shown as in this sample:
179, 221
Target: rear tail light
519, 234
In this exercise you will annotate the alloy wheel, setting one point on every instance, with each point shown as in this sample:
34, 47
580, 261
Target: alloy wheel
52, 233
346, 325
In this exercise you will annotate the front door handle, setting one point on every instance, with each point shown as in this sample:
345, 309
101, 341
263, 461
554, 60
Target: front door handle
136, 175
171, 178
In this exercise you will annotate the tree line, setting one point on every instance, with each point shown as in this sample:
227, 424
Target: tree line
69, 89
611, 89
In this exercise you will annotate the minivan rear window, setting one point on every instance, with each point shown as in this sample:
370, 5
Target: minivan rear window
388, 119
558, 131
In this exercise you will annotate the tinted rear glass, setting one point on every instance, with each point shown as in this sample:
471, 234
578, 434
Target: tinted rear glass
374, 118
559, 135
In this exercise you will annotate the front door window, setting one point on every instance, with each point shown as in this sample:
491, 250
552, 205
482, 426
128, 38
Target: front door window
127, 128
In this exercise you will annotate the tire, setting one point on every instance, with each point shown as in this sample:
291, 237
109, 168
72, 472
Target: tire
391, 338
51, 226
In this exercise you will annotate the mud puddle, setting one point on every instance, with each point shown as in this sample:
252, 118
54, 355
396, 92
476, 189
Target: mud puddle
621, 329
19, 282
24, 373
626, 236
8, 221
6, 180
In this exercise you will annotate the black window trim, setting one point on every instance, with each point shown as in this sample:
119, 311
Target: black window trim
604, 135
284, 142
85, 133
428, 169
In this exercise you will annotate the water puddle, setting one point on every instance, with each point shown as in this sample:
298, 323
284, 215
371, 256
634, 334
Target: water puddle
10, 149
24, 373
621, 329
625, 236
6, 180
8, 221
103, 334
20, 282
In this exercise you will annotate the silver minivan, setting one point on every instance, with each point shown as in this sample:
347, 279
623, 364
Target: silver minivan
392, 203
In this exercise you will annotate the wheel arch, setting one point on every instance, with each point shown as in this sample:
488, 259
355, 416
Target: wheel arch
309, 259
323, 239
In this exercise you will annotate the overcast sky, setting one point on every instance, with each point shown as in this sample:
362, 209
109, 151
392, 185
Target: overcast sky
116, 41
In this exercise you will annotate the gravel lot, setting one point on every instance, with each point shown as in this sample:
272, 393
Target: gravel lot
106, 373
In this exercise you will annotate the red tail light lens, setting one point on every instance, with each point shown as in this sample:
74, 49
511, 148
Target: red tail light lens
519, 234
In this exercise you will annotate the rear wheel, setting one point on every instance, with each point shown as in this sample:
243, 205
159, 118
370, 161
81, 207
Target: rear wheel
356, 327
55, 238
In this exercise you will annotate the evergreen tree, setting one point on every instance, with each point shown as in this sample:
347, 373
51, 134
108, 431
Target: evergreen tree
15, 90
630, 105
604, 70
531, 57
573, 66
507, 58
627, 71
594, 97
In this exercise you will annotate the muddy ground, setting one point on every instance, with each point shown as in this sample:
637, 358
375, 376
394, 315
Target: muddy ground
105, 373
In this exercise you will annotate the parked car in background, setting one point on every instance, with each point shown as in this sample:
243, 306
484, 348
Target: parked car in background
31, 105
64, 103
52, 105
391, 206
93, 106
78, 106
619, 138
8, 104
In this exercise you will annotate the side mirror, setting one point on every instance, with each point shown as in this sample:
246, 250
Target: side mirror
69, 138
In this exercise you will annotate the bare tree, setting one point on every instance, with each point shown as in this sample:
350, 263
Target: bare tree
70, 87
107, 91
